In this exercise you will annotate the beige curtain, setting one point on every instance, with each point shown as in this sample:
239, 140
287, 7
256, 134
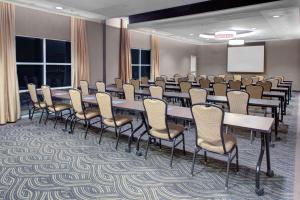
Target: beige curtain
80, 54
9, 87
155, 56
125, 54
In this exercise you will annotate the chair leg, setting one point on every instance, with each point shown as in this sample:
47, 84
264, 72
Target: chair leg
159, 143
73, 127
237, 158
41, 115
227, 175
33, 110
101, 133
47, 116
183, 145
205, 156
56, 117
118, 137
87, 129
193, 164
251, 137
147, 148
172, 152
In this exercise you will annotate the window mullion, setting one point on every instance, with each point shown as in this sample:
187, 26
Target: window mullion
44, 62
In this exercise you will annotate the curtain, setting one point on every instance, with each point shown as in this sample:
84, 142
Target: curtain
79, 49
9, 87
155, 56
125, 54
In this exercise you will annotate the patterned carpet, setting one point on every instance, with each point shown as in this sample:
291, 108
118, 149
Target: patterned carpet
39, 162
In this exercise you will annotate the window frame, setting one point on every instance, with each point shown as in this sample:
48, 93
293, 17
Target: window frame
44, 63
140, 65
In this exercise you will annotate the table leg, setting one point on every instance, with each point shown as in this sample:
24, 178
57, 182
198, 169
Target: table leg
276, 123
258, 189
270, 173
281, 109
128, 149
285, 104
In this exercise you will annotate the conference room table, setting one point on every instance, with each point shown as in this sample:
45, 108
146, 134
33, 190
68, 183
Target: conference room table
259, 124
266, 103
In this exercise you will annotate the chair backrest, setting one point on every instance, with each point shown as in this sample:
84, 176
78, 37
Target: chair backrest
185, 87
164, 77
228, 78
129, 92
100, 86
191, 77
237, 77
156, 92
135, 83
182, 79
47, 95
84, 87
32, 92
211, 78
222, 76
255, 79
274, 83
76, 100
119, 83
204, 83
161, 84
255, 91
247, 81
198, 95
238, 102
218, 79
235, 85
144, 80
156, 111
220, 89
105, 105
208, 119
278, 78
267, 85
261, 78
281, 78
203, 76
176, 77
159, 78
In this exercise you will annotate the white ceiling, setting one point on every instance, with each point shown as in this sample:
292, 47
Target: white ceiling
259, 17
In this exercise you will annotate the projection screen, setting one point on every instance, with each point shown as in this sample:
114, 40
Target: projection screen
246, 59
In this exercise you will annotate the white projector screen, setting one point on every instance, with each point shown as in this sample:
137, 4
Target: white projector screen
246, 59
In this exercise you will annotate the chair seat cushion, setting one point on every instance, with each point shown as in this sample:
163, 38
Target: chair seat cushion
90, 113
59, 107
174, 129
229, 140
40, 105
120, 121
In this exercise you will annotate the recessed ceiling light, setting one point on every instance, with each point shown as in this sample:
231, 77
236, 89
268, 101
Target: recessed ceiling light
276, 16
59, 8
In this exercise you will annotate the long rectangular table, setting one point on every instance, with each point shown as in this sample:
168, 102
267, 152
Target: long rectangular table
273, 104
255, 123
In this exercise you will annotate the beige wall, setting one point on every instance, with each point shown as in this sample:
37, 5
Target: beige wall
282, 57
36, 23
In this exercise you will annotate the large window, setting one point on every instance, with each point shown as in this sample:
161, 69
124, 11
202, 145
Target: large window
43, 61
141, 63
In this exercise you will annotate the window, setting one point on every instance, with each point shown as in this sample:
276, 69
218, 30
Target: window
141, 63
43, 61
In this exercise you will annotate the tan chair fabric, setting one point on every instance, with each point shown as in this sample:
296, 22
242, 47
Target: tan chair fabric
84, 86
267, 85
32, 92
129, 92
119, 121
144, 80
176, 77
156, 113
261, 78
191, 77
198, 95
204, 83
89, 113
235, 85
174, 130
100, 86
161, 84
255, 91
58, 107
105, 105
255, 79
274, 83
203, 76
209, 122
119, 83
47, 95
80, 53
220, 89
164, 77
247, 81
222, 76
76, 100
218, 80
211, 78
238, 102
159, 79
237, 77
228, 78
182, 79
9, 88
135, 83
156, 92
185, 87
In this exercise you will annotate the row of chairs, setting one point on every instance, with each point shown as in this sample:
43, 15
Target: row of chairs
210, 136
